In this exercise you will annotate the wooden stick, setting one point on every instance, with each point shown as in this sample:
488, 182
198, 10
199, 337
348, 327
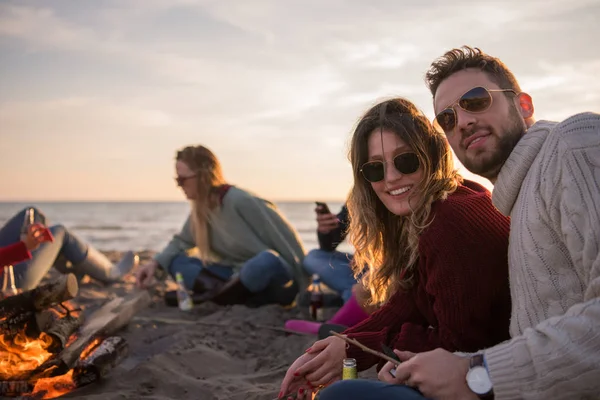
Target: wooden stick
365, 348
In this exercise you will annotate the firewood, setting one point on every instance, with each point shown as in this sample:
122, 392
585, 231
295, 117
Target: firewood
15, 388
42, 297
101, 361
62, 329
15, 323
104, 322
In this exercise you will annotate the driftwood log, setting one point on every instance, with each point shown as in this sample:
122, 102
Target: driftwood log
101, 361
42, 297
104, 322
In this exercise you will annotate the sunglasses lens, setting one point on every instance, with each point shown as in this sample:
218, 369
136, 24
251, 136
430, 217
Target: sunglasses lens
475, 100
446, 120
407, 163
373, 171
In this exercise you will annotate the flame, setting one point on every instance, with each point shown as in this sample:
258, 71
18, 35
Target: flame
20, 354
50, 388
90, 348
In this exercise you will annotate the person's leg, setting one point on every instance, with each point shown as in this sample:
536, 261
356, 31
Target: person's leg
11, 231
28, 274
190, 267
265, 278
362, 389
84, 259
333, 267
265, 269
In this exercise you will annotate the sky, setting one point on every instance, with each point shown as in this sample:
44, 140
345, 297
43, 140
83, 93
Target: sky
97, 96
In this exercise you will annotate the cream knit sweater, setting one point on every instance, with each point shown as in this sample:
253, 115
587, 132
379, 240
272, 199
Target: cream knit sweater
550, 187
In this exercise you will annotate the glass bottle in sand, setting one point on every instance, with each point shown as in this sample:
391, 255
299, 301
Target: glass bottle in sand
184, 300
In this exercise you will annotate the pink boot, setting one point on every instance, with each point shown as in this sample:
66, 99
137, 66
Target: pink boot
349, 315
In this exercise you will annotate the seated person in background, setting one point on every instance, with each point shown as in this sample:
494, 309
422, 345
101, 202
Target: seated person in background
63, 249
333, 267
248, 252
435, 246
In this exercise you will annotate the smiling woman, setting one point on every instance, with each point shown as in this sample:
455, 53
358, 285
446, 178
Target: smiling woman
435, 248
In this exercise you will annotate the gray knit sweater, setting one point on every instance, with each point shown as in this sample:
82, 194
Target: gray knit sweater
550, 187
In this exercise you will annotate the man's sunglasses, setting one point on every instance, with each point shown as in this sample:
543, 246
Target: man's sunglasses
405, 163
181, 179
476, 100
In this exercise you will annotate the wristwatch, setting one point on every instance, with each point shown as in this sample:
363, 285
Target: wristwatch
478, 378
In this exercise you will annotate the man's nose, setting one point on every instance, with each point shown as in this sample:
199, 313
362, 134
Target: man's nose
464, 119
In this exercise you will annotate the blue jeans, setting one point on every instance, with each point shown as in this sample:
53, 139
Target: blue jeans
362, 389
333, 267
265, 273
28, 274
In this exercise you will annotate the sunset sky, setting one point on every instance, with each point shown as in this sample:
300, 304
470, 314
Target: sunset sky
96, 96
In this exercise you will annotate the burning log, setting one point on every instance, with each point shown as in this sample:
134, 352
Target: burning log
14, 388
101, 361
40, 298
15, 323
102, 323
62, 329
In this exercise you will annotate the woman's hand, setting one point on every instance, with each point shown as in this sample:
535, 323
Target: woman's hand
319, 366
293, 383
144, 276
36, 235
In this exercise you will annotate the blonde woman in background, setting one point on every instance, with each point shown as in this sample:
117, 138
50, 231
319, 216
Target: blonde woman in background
248, 253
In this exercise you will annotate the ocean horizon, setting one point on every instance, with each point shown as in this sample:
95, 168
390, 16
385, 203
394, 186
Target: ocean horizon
147, 225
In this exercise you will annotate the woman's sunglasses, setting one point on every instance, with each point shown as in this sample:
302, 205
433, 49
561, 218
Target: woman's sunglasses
476, 100
405, 163
181, 179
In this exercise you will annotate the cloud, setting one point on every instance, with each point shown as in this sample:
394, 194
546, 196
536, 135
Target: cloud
268, 82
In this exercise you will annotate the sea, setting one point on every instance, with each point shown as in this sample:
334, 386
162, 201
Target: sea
141, 226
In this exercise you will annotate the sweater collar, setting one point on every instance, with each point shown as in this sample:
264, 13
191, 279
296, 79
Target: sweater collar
517, 166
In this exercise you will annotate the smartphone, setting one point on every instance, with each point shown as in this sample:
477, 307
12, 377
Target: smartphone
390, 353
322, 208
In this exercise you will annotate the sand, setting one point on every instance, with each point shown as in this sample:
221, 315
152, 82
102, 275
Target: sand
211, 352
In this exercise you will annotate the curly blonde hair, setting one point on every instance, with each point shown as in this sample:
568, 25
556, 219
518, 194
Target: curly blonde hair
386, 243
209, 176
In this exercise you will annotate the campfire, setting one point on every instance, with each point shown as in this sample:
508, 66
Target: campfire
48, 349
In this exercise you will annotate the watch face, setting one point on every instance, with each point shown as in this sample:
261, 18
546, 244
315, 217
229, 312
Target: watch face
478, 380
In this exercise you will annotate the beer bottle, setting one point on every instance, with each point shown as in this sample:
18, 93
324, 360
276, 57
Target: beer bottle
349, 369
316, 299
184, 300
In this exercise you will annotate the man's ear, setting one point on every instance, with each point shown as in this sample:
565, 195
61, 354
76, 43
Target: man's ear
525, 105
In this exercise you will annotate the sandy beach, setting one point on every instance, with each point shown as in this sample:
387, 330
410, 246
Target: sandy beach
209, 353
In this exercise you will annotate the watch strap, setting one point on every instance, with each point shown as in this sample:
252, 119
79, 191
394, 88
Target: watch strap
477, 360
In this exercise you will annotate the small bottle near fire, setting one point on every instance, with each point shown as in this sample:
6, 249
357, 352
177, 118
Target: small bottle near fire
349, 370
316, 299
184, 300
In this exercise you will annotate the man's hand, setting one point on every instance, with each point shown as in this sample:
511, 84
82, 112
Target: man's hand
438, 374
326, 222
144, 276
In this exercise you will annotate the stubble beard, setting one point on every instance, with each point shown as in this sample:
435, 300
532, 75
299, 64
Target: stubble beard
489, 165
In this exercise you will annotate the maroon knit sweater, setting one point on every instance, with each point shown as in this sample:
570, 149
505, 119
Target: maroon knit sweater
461, 298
